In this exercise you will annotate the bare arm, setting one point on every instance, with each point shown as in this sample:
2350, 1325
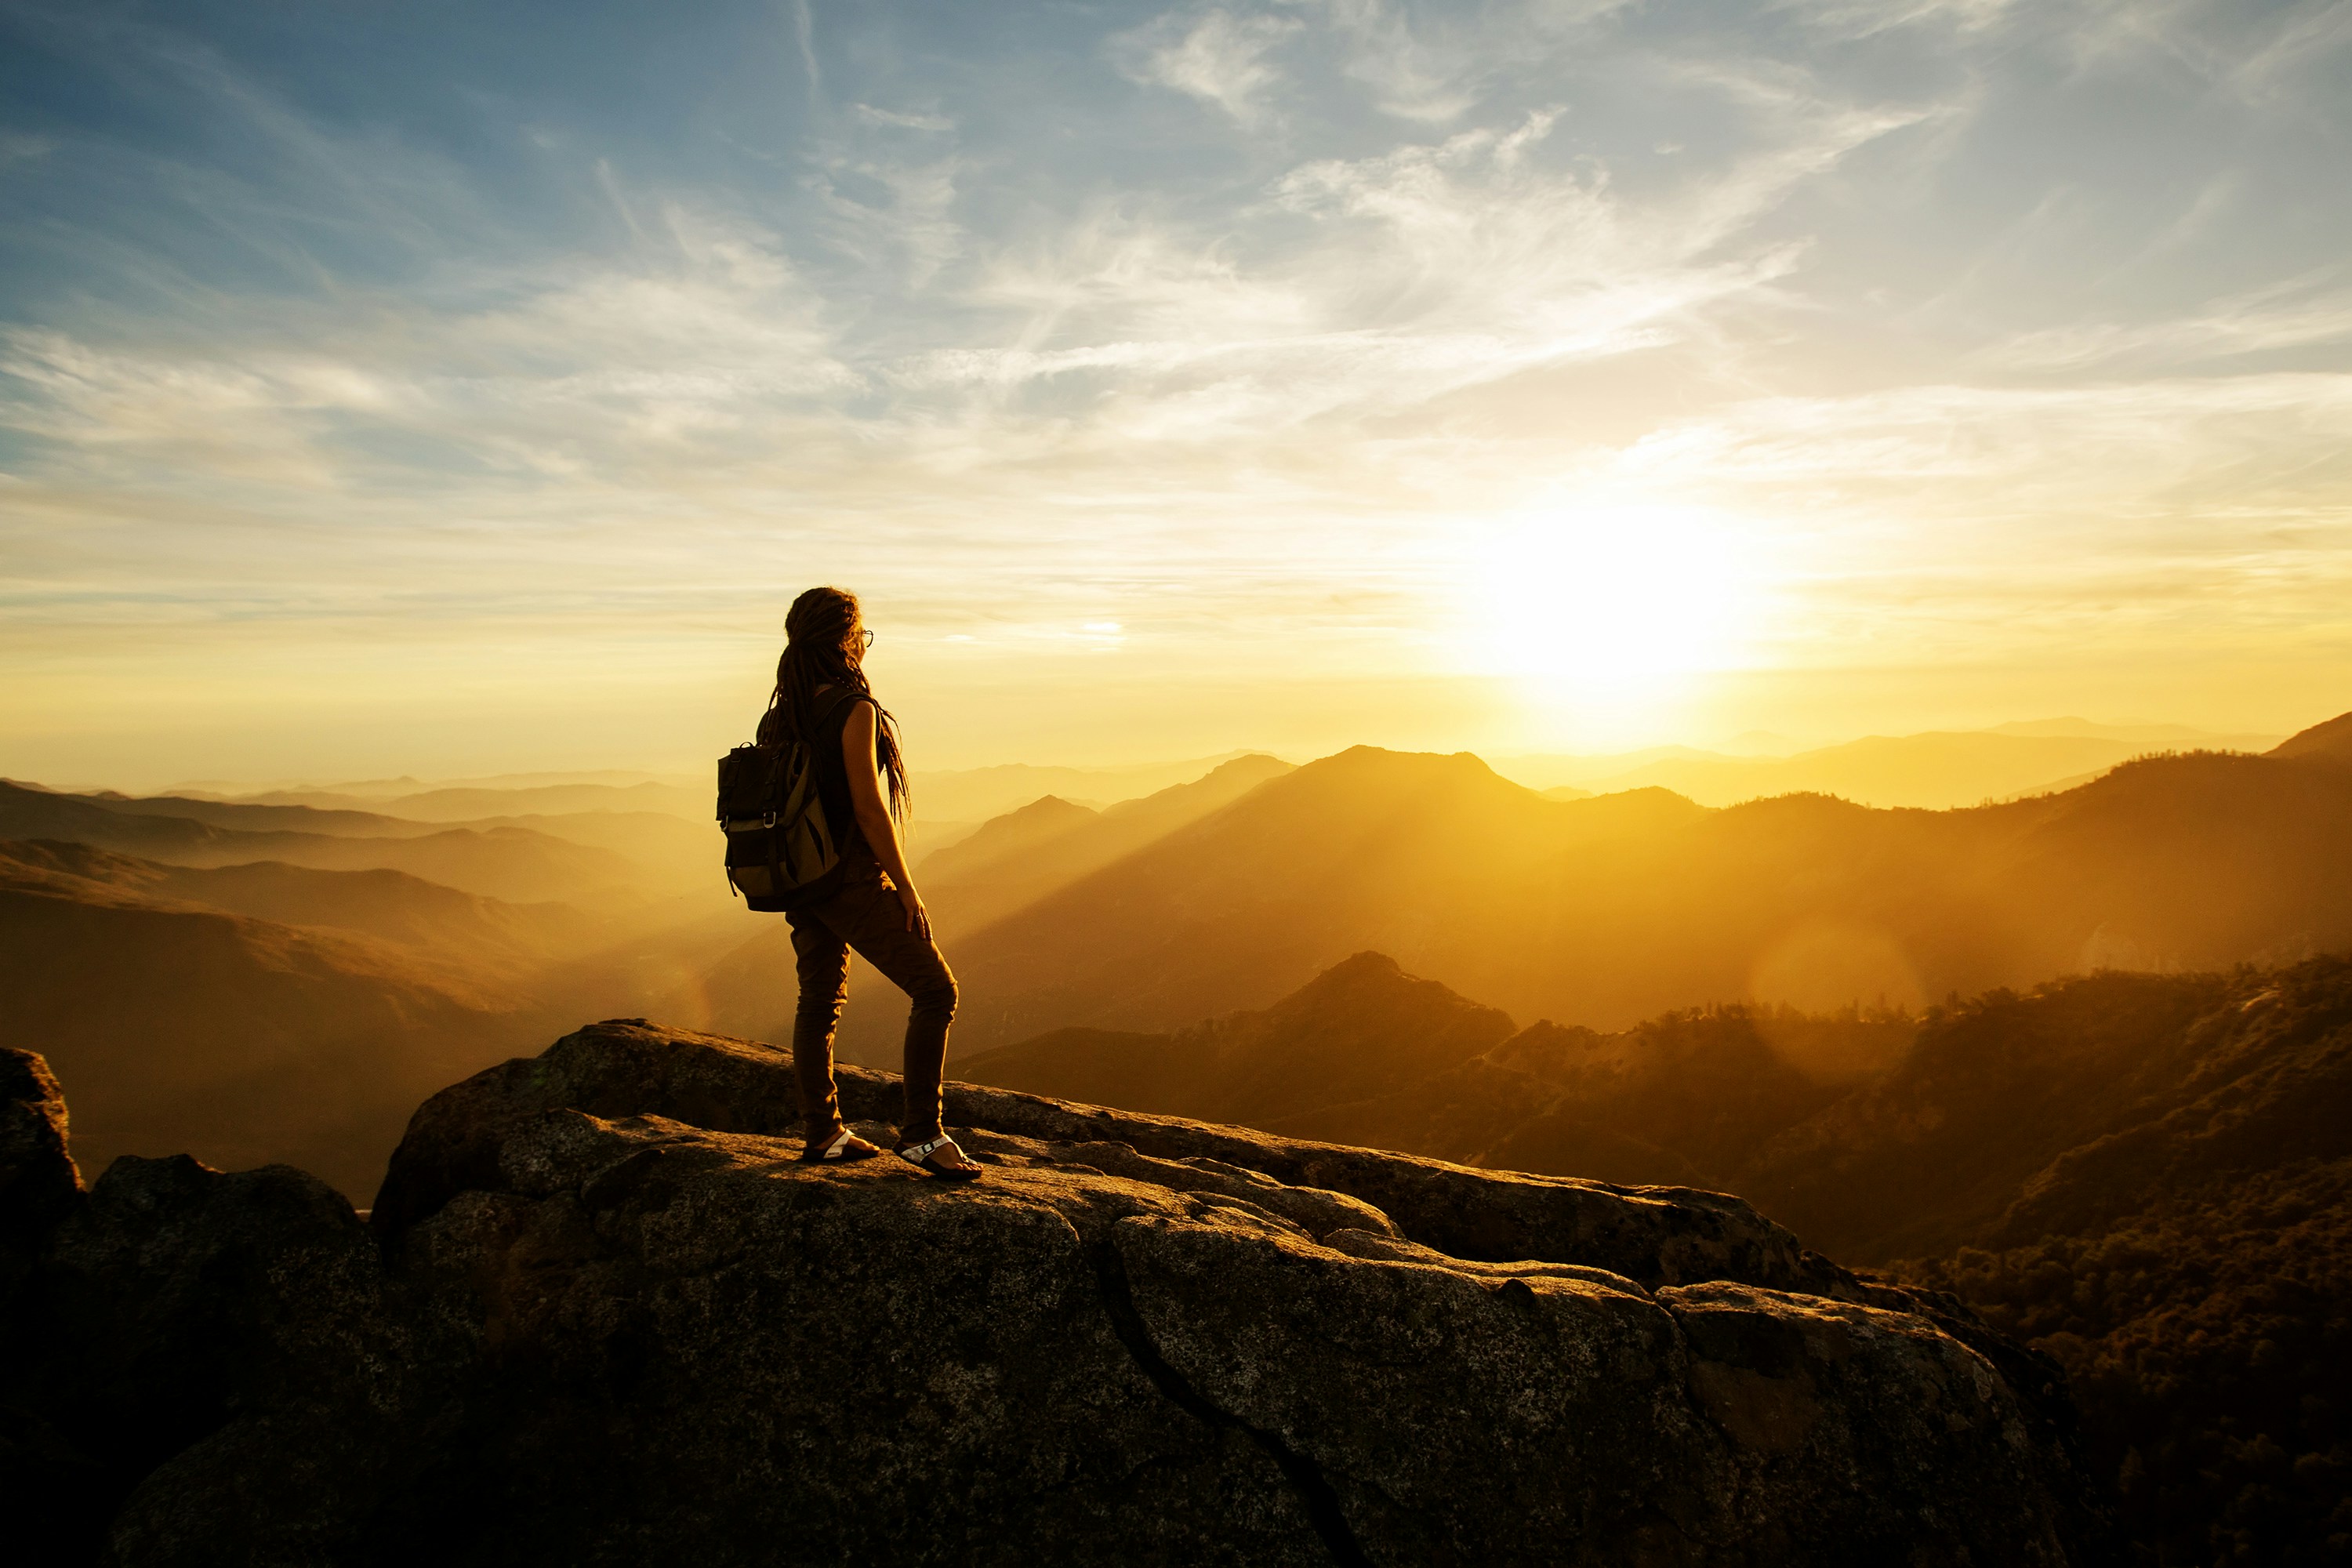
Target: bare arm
873, 818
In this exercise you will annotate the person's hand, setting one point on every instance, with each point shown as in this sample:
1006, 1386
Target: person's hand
918, 919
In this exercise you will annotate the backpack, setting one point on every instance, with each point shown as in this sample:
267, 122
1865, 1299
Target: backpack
778, 839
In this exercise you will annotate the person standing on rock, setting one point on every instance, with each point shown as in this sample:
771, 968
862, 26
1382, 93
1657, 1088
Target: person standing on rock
868, 901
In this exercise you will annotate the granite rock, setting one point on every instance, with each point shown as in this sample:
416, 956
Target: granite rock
606, 1315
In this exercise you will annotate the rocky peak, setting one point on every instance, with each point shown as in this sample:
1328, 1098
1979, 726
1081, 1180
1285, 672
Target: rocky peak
611, 1317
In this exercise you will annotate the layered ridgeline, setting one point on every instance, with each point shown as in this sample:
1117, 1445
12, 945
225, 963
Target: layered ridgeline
2148, 1176
258, 1013
283, 979
1217, 894
500, 859
1011, 862
283, 975
1014, 859
1608, 910
600, 1313
1937, 770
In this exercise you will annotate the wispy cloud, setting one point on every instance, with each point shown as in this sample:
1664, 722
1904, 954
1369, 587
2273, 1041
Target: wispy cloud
1869, 18
16, 148
890, 212
804, 36
595, 372
1214, 56
1409, 274
2269, 321
1229, 325
1410, 75
904, 121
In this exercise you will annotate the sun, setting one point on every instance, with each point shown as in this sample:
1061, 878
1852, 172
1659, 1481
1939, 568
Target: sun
1611, 600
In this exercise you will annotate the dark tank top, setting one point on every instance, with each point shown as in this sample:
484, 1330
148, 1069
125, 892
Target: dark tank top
833, 707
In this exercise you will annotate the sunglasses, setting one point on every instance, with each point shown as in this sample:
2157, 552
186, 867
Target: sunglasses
865, 639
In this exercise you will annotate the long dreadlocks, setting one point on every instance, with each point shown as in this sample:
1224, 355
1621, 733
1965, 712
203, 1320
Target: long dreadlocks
824, 642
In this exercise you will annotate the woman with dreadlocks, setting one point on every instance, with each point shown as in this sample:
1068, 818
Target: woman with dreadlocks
868, 901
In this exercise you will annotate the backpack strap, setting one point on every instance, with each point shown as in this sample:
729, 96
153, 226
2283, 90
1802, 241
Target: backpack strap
831, 704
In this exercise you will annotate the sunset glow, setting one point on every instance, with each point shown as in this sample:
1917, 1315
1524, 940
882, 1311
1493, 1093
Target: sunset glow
378, 394
1612, 601
1184, 781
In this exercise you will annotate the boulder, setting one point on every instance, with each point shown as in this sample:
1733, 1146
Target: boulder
50, 1491
191, 1298
38, 1184
609, 1317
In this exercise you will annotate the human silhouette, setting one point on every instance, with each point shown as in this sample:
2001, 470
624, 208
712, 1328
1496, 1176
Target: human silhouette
867, 902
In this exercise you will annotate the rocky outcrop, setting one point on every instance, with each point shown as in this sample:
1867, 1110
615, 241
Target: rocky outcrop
38, 1184
1654, 1236
607, 1316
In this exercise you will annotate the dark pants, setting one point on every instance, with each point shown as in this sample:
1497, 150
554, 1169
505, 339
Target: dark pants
865, 914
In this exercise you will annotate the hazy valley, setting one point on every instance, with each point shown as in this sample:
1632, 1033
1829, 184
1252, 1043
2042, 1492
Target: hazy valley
517, 908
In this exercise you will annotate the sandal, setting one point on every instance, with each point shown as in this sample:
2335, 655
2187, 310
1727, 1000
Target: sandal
919, 1156
844, 1145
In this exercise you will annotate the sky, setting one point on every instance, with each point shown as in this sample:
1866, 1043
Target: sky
444, 388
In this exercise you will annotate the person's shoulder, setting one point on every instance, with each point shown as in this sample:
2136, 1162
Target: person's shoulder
845, 710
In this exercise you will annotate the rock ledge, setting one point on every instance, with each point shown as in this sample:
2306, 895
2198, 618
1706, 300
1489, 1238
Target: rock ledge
602, 1315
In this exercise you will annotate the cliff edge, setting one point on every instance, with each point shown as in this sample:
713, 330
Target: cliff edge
602, 1314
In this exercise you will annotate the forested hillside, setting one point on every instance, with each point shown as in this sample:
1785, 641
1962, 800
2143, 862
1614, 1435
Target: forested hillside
2189, 1259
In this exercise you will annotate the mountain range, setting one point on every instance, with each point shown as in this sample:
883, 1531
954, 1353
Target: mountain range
1212, 896
1607, 909
976, 794
1012, 861
184, 1025
258, 981
465, 802
1015, 859
496, 860
1935, 771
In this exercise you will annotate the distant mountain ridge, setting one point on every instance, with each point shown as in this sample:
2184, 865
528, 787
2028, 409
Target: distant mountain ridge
997, 842
179, 1025
1608, 910
1933, 771
391, 905
516, 864
1011, 862
1014, 859
473, 802
2330, 741
975, 794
